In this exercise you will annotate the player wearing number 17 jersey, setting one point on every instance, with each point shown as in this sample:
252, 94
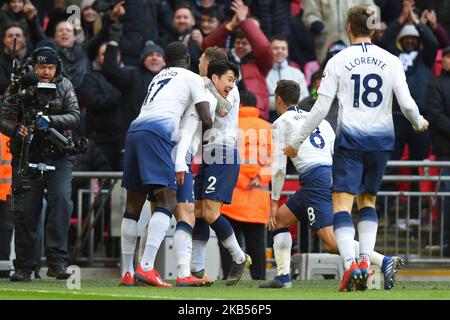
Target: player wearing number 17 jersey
149, 169
364, 77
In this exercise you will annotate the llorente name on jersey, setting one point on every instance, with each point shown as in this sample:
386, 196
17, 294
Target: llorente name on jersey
365, 60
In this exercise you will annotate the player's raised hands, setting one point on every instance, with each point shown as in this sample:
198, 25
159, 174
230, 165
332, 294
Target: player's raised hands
290, 151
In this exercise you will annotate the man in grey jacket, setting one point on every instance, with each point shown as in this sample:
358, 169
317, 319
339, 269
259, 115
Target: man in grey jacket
28, 191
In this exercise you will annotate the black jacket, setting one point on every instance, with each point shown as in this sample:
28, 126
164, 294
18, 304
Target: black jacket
438, 100
103, 102
63, 112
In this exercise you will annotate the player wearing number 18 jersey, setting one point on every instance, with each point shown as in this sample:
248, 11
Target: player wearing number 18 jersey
364, 77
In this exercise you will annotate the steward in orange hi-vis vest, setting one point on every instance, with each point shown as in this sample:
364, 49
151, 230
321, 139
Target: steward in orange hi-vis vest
251, 197
5, 167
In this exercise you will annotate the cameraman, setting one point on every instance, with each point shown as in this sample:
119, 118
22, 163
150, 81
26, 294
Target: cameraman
63, 115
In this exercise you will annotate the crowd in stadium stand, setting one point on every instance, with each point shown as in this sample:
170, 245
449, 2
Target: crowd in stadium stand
113, 49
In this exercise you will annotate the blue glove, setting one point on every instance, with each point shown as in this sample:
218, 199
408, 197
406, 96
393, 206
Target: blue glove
44, 122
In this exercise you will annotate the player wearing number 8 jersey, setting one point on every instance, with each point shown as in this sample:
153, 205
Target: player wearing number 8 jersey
364, 77
312, 203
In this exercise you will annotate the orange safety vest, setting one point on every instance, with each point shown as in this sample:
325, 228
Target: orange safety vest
5, 167
252, 205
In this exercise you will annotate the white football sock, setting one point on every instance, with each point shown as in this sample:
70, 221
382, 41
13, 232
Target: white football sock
232, 245
182, 240
198, 255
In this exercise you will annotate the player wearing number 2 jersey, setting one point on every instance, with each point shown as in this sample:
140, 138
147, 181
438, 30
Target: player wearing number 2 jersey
364, 77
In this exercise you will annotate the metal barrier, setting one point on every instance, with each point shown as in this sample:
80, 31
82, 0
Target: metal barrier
411, 223
419, 239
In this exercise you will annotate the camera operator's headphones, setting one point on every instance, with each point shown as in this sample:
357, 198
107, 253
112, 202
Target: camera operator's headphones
59, 63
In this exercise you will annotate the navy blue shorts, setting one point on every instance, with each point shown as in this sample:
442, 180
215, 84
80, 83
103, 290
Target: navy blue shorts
313, 200
185, 193
148, 164
358, 172
217, 181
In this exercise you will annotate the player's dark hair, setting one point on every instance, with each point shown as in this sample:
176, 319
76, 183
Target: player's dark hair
357, 18
176, 51
247, 98
288, 91
215, 54
219, 68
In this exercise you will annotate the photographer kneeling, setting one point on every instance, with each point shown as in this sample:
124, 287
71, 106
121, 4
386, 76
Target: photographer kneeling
31, 143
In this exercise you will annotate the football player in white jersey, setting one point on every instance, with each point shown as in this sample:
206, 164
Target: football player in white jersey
313, 201
364, 77
217, 175
149, 169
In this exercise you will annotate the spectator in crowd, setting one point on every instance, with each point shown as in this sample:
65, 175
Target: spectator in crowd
198, 6
210, 20
252, 52
183, 30
63, 115
438, 102
91, 21
379, 32
73, 55
43, 7
6, 59
282, 70
132, 82
248, 212
301, 41
327, 20
429, 18
389, 9
417, 51
144, 20
102, 101
274, 16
